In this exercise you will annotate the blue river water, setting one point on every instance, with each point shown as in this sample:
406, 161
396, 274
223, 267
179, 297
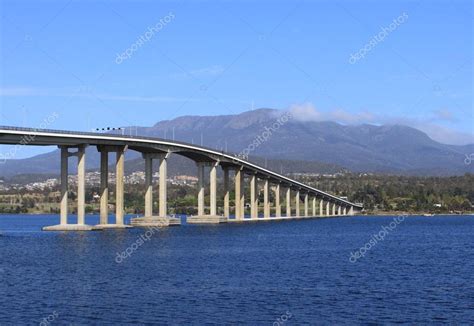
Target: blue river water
419, 270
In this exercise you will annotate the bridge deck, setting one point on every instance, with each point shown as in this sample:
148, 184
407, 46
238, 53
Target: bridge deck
43, 137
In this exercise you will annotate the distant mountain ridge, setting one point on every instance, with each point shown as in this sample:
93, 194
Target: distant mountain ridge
393, 149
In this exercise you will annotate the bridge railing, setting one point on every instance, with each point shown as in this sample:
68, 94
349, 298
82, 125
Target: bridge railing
131, 137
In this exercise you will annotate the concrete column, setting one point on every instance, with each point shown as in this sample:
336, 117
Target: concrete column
328, 213
321, 205
339, 210
119, 185
163, 208
351, 210
226, 193
64, 184
148, 185
277, 201
200, 166
314, 206
297, 203
104, 187
81, 184
333, 209
213, 189
288, 202
306, 210
242, 195
344, 211
253, 196
238, 191
266, 201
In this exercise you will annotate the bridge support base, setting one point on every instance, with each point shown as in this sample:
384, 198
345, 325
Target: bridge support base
156, 221
68, 227
272, 218
110, 226
207, 219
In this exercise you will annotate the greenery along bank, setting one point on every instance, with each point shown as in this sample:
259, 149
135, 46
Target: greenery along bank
378, 193
402, 193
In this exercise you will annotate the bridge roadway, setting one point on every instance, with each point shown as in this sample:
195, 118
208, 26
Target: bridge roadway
75, 143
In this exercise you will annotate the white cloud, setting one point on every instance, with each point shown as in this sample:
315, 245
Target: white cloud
444, 115
445, 135
84, 92
308, 112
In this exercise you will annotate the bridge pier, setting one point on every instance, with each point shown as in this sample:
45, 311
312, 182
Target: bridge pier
253, 196
201, 189
277, 200
242, 195
104, 187
328, 213
238, 182
297, 203
81, 185
163, 196
149, 219
226, 193
64, 185
306, 210
314, 207
266, 200
213, 190
119, 186
81, 175
321, 205
212, 218
148, 184
288, 202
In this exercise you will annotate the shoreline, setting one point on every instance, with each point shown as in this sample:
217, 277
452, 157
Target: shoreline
378, 214
424, 214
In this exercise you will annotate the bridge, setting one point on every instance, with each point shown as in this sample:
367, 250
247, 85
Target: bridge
206, 159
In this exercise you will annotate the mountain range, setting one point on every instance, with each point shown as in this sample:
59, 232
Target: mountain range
284, 141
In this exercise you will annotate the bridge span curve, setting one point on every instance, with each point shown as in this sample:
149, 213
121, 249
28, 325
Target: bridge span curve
323, 203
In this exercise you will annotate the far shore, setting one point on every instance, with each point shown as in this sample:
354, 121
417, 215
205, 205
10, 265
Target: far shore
391, 213
372, 214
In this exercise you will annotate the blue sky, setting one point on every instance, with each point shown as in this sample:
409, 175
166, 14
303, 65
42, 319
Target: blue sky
226, 57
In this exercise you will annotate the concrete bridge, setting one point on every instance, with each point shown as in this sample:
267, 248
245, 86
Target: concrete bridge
207, 161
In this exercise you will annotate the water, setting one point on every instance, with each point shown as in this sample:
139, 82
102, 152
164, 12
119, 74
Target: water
278, 273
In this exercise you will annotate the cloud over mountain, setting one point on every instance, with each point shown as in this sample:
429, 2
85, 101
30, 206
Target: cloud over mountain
308, 112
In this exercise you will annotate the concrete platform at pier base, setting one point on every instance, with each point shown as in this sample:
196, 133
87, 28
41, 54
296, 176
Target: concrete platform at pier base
68, 227
110, 226
156, 221
273, 218
206, 219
